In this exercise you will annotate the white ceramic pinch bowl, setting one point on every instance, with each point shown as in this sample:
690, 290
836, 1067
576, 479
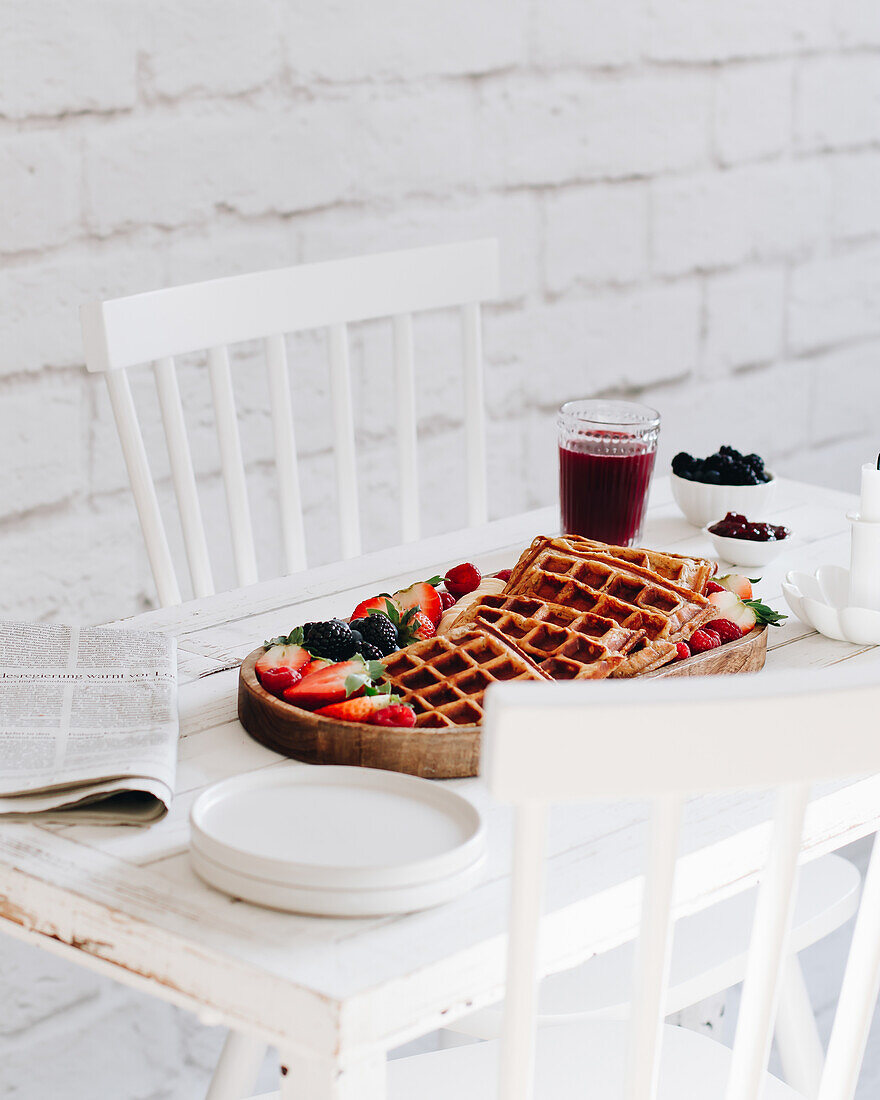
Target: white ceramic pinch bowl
746, 552
820, 600
702, 503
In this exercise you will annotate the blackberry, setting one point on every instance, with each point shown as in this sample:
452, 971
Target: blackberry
332, 640
371, 652
682, 464
378, 630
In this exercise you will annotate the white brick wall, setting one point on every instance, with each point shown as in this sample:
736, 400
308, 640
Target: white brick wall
683, 191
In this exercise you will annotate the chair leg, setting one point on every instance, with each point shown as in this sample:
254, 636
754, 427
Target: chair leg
236, 1072
797, 1036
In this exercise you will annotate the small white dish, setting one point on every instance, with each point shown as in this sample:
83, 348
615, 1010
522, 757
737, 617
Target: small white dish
703, 504
336, 841
820, 600
746, 552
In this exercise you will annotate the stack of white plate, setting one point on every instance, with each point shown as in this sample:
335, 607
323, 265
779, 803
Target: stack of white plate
337, 841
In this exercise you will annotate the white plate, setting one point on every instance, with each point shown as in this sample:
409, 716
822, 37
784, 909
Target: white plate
377, 902
334, 829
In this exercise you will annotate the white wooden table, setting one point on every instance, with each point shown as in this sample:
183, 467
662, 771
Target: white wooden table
335, 995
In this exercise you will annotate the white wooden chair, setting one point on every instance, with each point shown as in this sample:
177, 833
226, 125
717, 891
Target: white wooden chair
669, 740
709, 956
211, 316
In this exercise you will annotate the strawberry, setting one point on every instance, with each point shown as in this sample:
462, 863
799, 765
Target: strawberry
398, 714
419, 627
703, 640
462, 579
726, 604
332, 683
362, 709
712, 586
423, 595
726, 630
739, 585
683, 651
446, 599
375, 603
282, 662
503, 575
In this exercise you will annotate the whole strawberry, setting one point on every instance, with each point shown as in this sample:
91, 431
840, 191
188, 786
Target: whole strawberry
462, 579
682, 650
725, 629
703, 640
398, 714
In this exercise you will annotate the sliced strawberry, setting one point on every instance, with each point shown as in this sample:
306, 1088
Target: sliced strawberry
331, 683
725, 603
739, 585
462, 579
423, 595
397, 714
282, 662
376, 603
361, 709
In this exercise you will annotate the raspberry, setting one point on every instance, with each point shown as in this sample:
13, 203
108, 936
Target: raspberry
683, 650
712, 586
726, 630
397, 714
503, 575
446, 598
702, 640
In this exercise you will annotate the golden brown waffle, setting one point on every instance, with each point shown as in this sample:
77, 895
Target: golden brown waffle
578, 581
566, 644
444, 678
687, 573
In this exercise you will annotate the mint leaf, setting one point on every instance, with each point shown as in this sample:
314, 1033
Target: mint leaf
765, 614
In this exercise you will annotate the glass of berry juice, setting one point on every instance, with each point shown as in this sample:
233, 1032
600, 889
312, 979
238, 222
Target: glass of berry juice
606, 457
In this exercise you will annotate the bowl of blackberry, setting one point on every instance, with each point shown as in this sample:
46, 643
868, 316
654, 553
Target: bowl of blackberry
706, 489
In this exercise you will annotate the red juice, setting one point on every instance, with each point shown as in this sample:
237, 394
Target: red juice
603, 496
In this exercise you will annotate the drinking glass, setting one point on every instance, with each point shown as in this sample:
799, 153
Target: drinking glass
606, 457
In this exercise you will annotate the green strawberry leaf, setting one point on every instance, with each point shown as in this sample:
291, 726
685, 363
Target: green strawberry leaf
295, 637
354, 683
375, 671
434, 581
765, 614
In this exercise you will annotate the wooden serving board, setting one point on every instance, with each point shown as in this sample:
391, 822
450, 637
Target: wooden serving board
452, 753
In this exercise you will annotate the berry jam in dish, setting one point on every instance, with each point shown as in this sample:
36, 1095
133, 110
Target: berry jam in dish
726, 467
606, 457
736, 526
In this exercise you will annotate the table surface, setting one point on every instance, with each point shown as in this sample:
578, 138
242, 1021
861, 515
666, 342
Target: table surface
126, 900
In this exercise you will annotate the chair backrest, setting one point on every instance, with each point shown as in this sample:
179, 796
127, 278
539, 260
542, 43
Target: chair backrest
661, 741
211, 316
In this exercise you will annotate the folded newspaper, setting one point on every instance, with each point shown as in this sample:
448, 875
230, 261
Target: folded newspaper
88, 724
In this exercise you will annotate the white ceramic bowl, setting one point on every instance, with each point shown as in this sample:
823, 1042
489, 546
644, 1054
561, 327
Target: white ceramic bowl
702, 503
754, 555
820, 600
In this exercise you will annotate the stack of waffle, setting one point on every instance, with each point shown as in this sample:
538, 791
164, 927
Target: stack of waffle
573, 609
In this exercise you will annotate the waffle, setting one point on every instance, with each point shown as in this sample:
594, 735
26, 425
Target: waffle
619, 593
444, 678
687, 573
566, 644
